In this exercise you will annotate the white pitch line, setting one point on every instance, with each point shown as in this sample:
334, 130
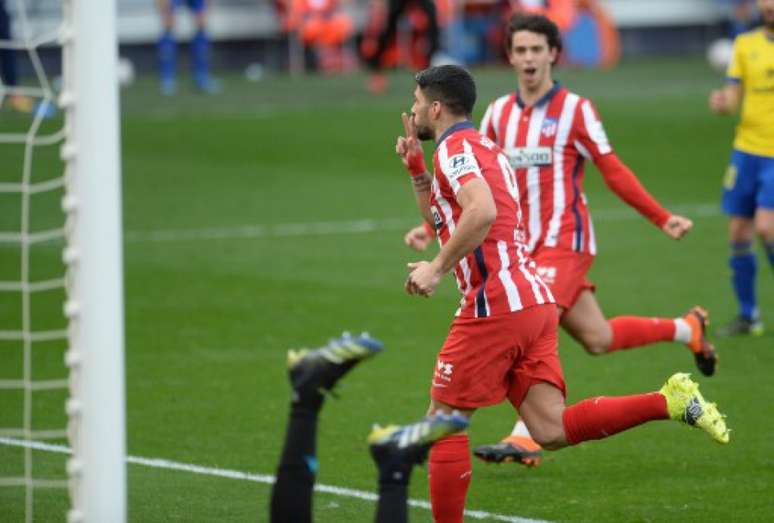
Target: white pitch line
287, 230
160, 463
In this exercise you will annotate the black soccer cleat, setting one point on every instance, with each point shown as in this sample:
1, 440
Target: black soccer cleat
742, 326
513, 449
703, 351
314, 372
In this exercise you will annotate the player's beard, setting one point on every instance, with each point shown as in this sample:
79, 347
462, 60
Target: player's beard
424, 133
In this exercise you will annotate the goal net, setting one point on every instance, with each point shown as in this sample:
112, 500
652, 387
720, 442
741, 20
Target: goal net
61, 295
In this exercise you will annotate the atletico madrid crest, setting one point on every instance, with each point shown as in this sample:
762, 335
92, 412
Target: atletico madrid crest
549, 127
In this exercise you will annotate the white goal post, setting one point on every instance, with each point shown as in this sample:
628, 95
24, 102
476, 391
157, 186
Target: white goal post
93, 255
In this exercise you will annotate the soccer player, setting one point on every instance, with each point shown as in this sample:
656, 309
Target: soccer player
502, 343
395, 450
200, 47
548, 133
748, 192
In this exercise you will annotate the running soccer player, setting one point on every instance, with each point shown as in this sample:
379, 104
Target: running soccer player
748, 192
502, 343
548, 133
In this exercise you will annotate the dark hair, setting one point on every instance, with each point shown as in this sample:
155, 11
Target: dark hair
534, 24
451, 85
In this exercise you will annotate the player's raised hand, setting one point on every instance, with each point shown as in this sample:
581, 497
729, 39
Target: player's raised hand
409, 149
423, 278
677, 226
417, 238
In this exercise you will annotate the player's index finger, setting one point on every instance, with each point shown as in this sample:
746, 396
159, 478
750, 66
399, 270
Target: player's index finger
412, 129
407, 127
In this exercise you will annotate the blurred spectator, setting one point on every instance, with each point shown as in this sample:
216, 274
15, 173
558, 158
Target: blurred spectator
323, 28
474, 34
742, 17
380, 46
8, 71
200, 47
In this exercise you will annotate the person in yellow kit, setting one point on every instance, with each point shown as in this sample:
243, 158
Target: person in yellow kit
748, 194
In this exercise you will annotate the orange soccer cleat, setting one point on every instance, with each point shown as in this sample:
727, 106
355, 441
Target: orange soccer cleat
513, 449
704, 352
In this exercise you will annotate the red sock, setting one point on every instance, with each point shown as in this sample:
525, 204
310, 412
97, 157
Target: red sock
449, 471
597, 418
636, 331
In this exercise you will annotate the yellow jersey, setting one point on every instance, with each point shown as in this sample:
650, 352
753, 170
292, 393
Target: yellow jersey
753, 66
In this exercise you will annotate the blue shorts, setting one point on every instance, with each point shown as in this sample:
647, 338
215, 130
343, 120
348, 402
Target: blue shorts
748, 184
197, 6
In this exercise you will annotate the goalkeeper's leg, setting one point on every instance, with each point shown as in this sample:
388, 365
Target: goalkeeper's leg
396, 450
311, 373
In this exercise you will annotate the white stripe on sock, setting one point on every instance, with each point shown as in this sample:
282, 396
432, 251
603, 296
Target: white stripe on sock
682, 330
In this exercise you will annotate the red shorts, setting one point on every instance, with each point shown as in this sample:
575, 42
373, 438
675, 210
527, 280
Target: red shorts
485, 360
564, 272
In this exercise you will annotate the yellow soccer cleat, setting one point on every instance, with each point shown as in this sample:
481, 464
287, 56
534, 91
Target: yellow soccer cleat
685, 403
314, 372
396, 449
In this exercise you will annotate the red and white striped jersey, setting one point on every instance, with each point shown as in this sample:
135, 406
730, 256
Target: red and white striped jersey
547, 145
498, 277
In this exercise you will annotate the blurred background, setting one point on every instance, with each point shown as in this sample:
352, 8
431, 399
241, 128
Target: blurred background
263, 37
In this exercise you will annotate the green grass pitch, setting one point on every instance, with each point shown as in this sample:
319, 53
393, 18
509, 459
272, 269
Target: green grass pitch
220, 282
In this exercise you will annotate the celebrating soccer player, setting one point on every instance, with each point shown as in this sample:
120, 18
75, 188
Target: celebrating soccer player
748, 195
548, 133
503, 341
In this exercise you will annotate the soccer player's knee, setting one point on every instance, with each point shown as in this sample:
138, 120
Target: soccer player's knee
547, 430
594, 342
549, 436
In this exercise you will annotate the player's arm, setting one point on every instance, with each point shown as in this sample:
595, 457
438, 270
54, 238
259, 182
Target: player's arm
623, 182
592, 142
411, 154
478, 213
727, 99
